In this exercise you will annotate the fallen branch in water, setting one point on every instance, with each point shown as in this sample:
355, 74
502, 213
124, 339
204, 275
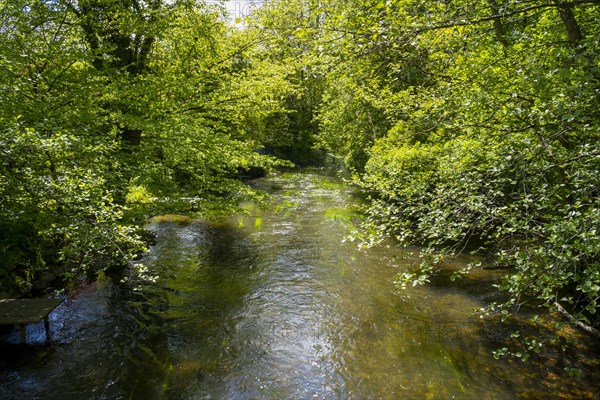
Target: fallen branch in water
589, 329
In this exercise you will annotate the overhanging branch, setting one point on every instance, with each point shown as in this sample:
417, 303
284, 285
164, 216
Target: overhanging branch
589, 329
494, 17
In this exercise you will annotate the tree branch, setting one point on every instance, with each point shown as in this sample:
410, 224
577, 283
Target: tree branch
561, 5
589, 329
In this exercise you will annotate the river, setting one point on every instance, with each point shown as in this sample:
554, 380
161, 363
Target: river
276, 304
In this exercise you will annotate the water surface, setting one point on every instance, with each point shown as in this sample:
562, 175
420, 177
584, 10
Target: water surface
276, 305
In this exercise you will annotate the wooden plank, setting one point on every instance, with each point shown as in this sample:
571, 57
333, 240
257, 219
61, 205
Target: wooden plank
26, 311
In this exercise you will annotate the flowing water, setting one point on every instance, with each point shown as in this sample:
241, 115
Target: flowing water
276, 305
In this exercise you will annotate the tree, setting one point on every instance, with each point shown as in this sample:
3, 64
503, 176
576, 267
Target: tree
112, 112
475, 125
55, 206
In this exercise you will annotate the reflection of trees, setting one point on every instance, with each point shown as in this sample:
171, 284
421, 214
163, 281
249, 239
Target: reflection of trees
203, 279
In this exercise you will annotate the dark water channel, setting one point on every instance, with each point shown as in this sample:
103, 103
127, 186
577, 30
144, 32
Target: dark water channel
276, 305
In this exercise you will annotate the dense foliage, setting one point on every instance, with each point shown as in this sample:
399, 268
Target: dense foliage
474, 125
112, 111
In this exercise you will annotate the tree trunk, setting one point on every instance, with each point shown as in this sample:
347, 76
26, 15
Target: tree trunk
498, 25
573, 29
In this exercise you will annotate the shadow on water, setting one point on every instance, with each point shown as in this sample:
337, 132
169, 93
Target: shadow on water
276, 304
115, 339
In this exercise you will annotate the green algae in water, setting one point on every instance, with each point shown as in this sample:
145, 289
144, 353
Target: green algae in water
178, 219
339, 214
329, 184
